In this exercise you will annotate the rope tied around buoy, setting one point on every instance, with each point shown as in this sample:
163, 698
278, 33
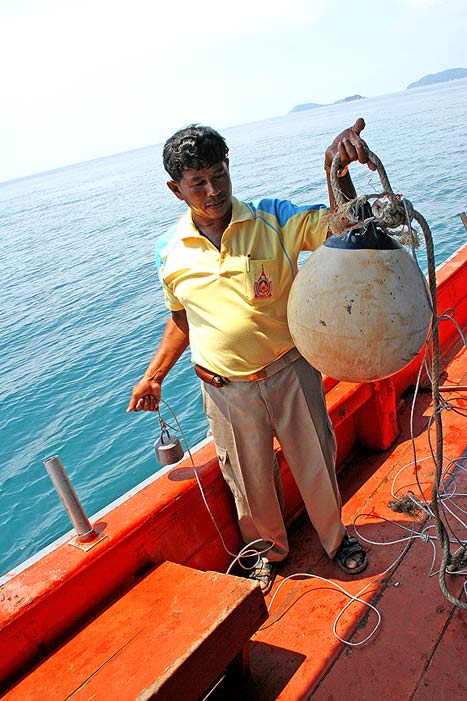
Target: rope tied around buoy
394, 215
390, 211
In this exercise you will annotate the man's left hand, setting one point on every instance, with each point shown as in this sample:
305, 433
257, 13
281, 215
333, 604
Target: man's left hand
350, 147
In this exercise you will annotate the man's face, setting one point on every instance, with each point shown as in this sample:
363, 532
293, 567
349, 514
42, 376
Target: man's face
207, 192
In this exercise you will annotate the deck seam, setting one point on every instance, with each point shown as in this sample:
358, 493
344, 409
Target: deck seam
430, 658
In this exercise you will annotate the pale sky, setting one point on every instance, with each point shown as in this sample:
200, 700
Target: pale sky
80, 79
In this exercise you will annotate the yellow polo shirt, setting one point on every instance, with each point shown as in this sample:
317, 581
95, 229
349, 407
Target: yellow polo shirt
236, 298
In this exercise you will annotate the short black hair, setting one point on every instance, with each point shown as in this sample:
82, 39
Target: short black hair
195, 146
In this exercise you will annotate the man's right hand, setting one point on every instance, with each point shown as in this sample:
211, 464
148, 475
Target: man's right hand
145, 396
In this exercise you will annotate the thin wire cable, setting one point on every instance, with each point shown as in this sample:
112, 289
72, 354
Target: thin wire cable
402, 219
247, 551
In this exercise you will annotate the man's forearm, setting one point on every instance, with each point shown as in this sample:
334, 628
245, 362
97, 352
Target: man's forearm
174, 341
346, 186
350, 147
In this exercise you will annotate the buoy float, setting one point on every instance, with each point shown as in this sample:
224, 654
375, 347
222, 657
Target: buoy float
359, 308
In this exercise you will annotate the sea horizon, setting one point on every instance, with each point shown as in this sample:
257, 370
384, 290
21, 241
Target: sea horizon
339, 101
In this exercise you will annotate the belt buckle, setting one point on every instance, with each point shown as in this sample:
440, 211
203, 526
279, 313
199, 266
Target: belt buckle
217, 381
209, 377
257, 376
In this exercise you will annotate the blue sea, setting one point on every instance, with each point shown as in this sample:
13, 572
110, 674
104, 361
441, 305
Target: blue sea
83, 312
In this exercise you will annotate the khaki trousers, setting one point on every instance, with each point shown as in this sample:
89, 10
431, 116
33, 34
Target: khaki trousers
244, 417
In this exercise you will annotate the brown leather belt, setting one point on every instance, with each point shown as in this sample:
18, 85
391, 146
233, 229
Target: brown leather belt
211, 378
216, 380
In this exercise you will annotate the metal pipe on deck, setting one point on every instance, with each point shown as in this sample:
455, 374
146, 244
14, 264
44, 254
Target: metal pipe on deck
72, 504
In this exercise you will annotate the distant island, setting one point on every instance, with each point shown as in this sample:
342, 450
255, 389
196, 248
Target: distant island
313, 105
441, 77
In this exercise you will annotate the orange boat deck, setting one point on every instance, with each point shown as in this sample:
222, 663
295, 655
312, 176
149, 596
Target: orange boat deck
416, 653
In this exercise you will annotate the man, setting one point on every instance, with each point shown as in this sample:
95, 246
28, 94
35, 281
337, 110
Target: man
226, 274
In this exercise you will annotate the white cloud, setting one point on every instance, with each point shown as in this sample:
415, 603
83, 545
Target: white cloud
421, 4
447, 5
53, 46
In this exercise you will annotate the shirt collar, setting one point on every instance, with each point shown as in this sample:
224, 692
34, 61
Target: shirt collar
240, 212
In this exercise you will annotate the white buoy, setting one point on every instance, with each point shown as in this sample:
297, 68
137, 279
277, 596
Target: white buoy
359, 314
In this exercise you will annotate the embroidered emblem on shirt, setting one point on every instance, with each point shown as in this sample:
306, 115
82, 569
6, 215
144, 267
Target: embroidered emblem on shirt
263, 285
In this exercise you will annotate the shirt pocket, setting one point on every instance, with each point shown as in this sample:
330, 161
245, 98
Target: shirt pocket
261, 280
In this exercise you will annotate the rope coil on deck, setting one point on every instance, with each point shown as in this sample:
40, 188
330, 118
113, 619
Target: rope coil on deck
391, 212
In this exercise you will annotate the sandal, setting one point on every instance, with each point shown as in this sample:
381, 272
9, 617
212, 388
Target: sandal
350, 551
263, 572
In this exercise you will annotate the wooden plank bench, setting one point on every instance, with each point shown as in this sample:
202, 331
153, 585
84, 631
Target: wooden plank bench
168, 638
